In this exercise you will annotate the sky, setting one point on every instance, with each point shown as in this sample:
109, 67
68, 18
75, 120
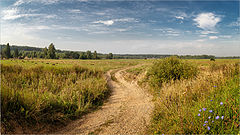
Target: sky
124, 27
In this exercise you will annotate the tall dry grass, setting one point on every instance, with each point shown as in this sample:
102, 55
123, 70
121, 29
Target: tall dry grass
48, 95
197, 105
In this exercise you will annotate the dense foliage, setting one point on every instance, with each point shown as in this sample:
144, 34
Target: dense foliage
168, 69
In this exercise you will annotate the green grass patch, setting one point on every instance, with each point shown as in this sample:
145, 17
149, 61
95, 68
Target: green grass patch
219, 112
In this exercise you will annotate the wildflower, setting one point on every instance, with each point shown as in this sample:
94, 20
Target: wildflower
208, 128
204, 125
200, 110
209, 117
198, 114
221, 103
222, 117
210, 111
206, 122
215, 86
217, 117
212, 121
211, 100
204, 109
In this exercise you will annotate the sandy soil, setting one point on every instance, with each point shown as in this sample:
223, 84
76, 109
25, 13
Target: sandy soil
127, 111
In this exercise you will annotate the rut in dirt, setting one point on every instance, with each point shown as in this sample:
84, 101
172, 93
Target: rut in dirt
127, 111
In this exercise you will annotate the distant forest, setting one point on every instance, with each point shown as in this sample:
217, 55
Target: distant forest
21, 52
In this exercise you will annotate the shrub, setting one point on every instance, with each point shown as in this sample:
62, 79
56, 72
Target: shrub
169, 69
212, 59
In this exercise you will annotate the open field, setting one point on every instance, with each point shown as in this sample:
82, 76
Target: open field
207, 103
38, 95
39, 92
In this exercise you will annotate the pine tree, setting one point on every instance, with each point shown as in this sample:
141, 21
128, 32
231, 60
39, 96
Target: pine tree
7, 51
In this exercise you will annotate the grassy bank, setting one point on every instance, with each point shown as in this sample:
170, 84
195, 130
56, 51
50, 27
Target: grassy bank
205, 104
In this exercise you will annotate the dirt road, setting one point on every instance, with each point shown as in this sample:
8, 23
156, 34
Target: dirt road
127, 111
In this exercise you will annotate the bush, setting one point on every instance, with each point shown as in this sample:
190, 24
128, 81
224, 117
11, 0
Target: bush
169, 69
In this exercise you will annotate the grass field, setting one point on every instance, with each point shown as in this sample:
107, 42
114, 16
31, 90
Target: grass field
205, 104
37, 93
42, 92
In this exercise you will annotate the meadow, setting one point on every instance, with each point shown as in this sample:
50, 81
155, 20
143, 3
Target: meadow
190, 96
37, 93
200, 99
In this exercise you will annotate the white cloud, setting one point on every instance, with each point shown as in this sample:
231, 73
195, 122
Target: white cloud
202, 35
111, 22
15, 13
200, 40
207, 21
213, 37
179, 17
226, 36
12, 14
205, 32
74, 11
49, 16
236, 23
20, 2
100, 13
121, 30
108, 22
169, 31
23, 34
125, 20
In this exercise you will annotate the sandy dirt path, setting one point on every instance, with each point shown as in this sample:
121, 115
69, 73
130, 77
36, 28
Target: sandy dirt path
127, 111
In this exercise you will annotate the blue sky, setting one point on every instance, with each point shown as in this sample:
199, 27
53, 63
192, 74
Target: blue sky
135, 27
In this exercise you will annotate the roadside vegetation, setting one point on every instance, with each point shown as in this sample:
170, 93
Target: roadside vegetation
192, 96
196, 100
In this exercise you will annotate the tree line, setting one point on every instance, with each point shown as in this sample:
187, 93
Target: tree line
20, 52
51, 52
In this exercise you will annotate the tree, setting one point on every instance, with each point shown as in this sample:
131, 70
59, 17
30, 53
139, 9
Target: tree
45, 51
110, 56
82, 55
89, 55
95, 55
75, 55
51, 51
67, 55
16, 53
7, 51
